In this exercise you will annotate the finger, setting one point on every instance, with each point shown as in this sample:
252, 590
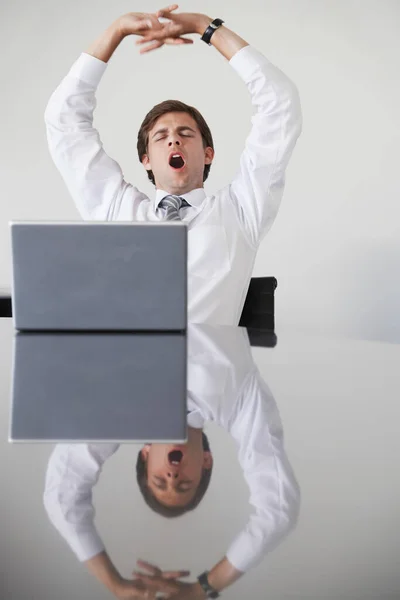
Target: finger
178, 41
175, 574
171, 41
146, 565
168, 9
151, 47
145, 40
158, 583
171, 30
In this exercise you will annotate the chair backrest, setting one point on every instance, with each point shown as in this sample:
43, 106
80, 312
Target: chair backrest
259, 306
5, 303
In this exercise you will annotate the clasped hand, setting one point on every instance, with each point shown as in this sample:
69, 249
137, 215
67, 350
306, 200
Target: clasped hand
156, 34
147, 585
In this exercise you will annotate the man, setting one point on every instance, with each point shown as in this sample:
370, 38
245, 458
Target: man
225, 229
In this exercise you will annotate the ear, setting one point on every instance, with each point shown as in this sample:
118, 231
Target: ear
208, 460
145, 451
209, 155
146, 162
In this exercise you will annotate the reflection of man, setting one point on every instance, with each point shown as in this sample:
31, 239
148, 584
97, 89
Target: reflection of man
224, 386
176, 148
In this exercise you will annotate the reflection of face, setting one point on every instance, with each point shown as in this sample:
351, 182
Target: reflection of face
180, 134
176, 485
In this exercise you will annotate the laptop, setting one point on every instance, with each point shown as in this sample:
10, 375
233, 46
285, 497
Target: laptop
99, 387
99, 276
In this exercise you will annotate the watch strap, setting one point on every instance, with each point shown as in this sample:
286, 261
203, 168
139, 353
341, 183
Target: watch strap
210, 30
203, 580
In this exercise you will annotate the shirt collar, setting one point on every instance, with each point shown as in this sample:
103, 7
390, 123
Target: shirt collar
194, 197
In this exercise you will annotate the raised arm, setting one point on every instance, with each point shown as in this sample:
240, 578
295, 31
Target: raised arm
94, 180
258, 186
274, 491
72, 471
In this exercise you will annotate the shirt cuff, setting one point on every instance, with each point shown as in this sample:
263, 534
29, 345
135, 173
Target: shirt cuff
88, 68
86, 545
247, 59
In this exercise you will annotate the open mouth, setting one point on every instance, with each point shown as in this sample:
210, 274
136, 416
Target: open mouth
175, 457
176, 162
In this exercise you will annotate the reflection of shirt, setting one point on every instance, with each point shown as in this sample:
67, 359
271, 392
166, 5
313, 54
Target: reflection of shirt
224, 386
224, 229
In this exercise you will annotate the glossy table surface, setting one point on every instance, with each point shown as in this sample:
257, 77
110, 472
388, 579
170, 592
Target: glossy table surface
337, 402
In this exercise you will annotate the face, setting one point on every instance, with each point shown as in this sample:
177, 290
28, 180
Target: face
177, 133
174, 470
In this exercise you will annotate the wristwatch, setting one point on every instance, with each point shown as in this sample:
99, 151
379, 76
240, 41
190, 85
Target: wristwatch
210, 30
203, 580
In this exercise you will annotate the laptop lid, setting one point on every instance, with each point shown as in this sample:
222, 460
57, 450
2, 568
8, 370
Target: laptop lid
99, 276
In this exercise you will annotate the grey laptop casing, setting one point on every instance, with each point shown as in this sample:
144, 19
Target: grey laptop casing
99, 276
104, 387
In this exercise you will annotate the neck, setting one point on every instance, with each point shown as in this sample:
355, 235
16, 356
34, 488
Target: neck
178, 192
195, 430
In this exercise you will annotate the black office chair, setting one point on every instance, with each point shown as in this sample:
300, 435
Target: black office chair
259, 307
5, 303
258, 310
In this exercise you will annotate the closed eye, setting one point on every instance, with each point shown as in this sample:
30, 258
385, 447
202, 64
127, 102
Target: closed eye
164, 136
162, 486
157, 481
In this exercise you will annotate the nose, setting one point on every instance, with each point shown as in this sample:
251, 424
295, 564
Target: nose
172, 475
177, 143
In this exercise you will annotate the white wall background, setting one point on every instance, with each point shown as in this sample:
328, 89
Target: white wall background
335, 245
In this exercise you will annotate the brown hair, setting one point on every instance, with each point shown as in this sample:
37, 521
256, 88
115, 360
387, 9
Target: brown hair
161, 109
172, 511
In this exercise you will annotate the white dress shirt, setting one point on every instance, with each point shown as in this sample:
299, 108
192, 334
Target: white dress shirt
224, 386
224, 229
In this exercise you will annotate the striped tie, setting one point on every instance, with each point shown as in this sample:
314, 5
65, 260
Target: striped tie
172, 204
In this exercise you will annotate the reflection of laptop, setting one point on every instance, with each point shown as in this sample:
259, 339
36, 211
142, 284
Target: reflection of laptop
99, 276
104, 387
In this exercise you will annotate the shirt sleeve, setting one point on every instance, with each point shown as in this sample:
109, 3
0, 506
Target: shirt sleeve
274, 491
72, 471
94, 180
257, 188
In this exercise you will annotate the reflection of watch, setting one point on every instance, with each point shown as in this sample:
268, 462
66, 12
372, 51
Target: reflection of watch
211, 593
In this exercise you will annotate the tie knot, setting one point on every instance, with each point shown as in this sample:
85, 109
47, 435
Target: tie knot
173, 201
